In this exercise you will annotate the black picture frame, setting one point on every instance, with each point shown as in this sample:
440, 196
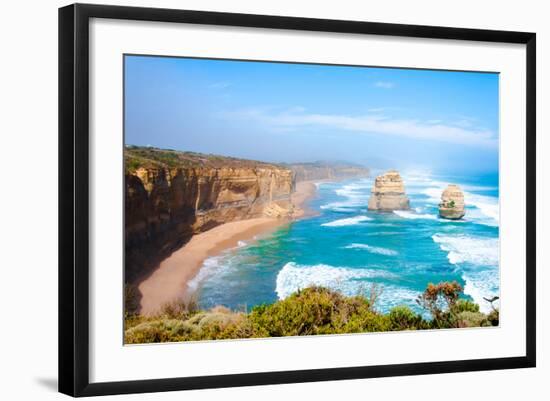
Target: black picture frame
74, 198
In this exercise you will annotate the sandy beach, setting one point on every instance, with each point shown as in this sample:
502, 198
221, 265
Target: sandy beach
168, 282
305, 190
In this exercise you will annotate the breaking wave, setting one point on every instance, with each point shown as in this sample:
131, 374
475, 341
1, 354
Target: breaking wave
488, 206
356, 195
482, 284
464, 251
209, 267
347, 222
480, 209
293, 277
468, 249
338, 207
411, 215
373, 249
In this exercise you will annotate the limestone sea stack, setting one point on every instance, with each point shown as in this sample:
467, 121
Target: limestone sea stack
452, 203
388, 193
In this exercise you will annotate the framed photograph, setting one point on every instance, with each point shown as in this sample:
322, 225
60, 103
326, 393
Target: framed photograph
251, 199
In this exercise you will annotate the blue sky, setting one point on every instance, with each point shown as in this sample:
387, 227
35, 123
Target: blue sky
408, 119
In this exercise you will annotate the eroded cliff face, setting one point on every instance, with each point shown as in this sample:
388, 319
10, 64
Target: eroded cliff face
327, 171
165, 206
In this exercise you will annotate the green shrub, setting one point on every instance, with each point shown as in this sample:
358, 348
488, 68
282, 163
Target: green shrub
158, 331
403, 318
174, 310
472, 319
220, 323
132, 164
131, 299
463, 305
202, 326
309, 311
364, 321
317, 310
440, 300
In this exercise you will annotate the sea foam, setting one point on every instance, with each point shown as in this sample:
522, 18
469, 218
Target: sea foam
411, 215
433, 194
487, 205
481, 284
477, 260
293, 277
468, 249
480, 209
356, 196
347, 222
373, 249
342, 207
210, 266
473, 255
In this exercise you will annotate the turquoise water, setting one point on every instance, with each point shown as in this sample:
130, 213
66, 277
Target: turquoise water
347, 248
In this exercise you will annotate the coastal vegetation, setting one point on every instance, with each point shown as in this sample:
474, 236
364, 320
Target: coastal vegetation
310, 311
145, 157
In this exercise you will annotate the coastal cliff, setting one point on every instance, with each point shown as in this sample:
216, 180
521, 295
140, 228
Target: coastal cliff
327, 171
452, 203
171, 195
388, 193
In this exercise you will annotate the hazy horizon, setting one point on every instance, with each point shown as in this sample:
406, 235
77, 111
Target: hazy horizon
278, 112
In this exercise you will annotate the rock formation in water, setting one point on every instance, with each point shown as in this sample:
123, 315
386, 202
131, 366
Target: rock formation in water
452, 203
170, 196
327, 171
388, 193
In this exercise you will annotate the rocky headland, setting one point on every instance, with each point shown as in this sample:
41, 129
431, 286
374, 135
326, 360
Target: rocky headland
171, 196
388, 193
316, 171
452, 203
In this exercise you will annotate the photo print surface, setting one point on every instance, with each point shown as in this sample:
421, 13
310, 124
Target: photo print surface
269, 199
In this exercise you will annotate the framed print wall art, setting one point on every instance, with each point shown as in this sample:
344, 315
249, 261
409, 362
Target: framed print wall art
250, 199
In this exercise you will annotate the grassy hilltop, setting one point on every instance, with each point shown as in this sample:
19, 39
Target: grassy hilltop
149, 157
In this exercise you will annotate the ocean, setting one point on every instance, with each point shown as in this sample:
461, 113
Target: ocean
348, 248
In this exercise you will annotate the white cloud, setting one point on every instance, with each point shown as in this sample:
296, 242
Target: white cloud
384, 84
464, 123
434, 130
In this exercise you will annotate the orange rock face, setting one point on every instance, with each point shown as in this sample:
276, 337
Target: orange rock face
166, 206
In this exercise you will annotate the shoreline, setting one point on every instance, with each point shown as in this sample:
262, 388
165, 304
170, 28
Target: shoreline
169, 282
305, 191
